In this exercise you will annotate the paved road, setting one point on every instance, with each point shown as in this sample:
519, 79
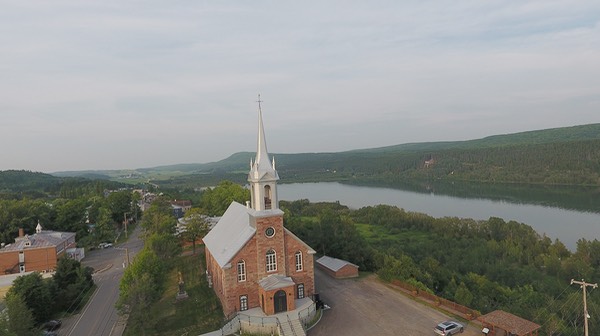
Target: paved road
99, 317
367, 307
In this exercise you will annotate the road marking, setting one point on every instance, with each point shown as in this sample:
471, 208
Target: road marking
85, 310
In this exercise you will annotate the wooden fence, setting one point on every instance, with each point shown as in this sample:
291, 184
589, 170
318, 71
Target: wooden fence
466, 312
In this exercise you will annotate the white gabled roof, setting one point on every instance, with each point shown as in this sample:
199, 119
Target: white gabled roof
230, 234
334, 264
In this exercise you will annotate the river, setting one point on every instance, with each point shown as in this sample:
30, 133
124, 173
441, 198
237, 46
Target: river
565, 224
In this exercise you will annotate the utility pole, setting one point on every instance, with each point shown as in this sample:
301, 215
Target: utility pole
126, 261
585, 312
125, 221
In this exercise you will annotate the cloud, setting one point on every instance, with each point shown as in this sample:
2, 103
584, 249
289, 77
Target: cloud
163, 80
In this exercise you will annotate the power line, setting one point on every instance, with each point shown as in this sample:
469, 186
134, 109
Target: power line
584, 285
541, 311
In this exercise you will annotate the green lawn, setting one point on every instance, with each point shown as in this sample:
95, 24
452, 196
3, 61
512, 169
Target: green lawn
200, 313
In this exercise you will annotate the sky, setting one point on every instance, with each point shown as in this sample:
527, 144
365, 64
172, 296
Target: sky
123, 84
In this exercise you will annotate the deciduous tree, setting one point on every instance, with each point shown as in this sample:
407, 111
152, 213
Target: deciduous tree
216, 201
19, 318
36, 293
196, 226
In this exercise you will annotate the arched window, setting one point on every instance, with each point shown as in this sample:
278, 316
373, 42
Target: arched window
243, 302
241, 269
271, 261
298, 261
267, 197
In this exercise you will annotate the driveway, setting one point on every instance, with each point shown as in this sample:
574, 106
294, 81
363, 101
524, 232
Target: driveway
365, 306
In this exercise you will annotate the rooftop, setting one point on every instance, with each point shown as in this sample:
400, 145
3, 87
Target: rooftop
334, 264
38, 240
509, 322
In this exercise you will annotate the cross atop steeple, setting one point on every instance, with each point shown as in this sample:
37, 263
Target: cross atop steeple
259, 101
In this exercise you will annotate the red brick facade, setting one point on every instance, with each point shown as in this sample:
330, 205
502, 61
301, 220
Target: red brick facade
253, 254
39, 252
348, 271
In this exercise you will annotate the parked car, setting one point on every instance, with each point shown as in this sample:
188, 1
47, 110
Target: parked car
52, 325
449, 328
105, 245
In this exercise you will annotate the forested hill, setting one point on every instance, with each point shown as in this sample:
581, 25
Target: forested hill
553, 135
21, 183
21, 180
566, 156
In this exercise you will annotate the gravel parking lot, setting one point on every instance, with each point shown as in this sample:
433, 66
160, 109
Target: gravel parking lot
366, 306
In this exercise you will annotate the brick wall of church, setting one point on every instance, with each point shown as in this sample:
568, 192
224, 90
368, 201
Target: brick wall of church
264, 244
307, 275
216, 274
234, 289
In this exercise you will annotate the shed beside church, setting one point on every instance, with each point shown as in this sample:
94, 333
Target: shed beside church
337, 268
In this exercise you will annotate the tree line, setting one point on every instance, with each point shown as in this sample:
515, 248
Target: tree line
92, 218
22, 184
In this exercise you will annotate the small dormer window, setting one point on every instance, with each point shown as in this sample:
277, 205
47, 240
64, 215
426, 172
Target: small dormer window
27, 243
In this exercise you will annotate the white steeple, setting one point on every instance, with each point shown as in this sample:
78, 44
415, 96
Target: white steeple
263, 176
38, 228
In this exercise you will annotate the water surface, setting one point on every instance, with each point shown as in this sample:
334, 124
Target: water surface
564, 224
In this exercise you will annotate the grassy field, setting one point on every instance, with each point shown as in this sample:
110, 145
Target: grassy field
377, 235
200, 313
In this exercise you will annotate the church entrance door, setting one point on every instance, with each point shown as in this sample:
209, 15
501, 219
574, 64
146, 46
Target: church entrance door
280, 301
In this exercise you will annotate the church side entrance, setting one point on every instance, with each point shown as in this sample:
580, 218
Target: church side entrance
280, 301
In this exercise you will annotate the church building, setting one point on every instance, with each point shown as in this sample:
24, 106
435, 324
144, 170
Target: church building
252, 260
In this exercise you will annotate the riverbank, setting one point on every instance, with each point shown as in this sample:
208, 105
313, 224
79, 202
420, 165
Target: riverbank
554, 222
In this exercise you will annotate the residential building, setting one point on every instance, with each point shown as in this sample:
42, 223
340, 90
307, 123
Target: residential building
38, 252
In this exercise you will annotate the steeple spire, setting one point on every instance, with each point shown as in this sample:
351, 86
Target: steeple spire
262, 155
263, 176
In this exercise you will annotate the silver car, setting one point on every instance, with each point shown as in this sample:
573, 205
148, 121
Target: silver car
449, 328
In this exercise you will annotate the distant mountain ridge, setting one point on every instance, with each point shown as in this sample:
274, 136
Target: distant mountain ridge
405, 159
563, 134
551, 135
